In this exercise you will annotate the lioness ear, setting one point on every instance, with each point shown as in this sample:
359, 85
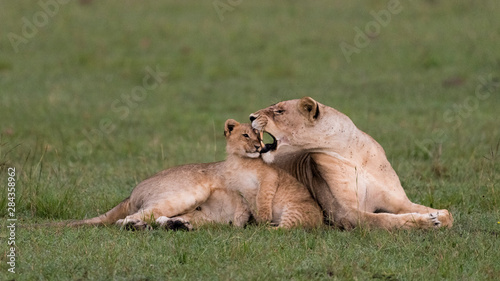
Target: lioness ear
229, 126
309, 108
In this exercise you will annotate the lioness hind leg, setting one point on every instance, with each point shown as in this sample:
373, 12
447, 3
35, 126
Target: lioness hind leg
416, 220
406, 206
443, 215
399, 204
392, 221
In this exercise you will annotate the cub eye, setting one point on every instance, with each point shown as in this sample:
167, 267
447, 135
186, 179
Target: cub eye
279, 111
246, 135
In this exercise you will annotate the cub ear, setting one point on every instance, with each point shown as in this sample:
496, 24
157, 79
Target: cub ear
229, 126
309, 108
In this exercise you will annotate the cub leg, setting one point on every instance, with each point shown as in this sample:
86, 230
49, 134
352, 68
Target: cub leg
301, 218
241, 214
294, 205
140, 219
265, 196
223, 206
137, 221
133, 224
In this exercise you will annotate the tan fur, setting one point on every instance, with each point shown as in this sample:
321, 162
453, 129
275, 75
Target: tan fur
200, 193
194, 193
273, 195
344, 168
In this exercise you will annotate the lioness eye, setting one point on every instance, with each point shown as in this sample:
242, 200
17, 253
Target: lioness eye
246, 135
279, 111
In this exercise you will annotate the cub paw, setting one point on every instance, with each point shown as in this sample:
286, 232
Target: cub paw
133, 225
174, 223
162, 220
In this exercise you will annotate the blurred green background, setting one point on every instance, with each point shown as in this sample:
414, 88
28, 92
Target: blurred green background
96, 96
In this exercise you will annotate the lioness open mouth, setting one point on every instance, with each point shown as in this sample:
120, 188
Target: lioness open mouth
266, 147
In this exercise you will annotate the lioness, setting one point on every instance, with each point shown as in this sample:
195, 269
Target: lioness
195, 194
344, 168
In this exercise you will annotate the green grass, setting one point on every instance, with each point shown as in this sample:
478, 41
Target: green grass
426, 87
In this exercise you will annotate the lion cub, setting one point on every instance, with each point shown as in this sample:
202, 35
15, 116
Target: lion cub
221, 192
272, 194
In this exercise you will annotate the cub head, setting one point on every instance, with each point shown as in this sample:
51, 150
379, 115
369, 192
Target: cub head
294, 125
241, 139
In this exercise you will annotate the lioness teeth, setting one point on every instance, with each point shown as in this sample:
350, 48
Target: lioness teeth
261, 137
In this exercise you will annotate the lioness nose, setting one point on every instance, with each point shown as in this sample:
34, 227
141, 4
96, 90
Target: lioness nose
252, 117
